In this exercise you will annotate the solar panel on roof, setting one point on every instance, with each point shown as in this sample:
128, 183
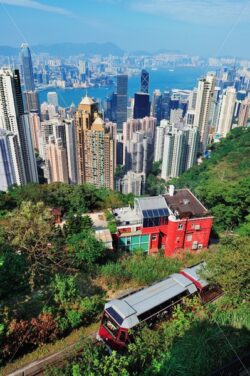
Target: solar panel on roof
115, 315
145, 214
165, 212
150, 213
156, 213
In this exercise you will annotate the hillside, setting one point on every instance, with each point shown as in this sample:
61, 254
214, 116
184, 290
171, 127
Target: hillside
222, 182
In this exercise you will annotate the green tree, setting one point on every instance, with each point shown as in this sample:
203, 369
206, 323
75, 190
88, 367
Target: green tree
65, 289
85, 249
77, 223
13, 272
30, 231
229, 267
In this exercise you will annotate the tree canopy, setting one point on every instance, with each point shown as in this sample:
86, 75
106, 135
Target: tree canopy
222, 182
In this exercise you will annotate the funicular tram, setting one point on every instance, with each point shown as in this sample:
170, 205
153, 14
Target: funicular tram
150, 305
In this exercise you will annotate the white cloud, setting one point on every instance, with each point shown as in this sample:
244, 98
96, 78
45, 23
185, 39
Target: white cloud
36, 5
196, 11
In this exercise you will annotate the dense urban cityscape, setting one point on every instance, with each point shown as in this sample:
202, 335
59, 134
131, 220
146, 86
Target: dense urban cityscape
86, 142
124, 188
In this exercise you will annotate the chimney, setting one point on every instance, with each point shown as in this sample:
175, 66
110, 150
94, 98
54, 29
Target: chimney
171, 190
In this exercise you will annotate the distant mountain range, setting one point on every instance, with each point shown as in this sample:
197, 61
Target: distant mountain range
68, 49
71, 49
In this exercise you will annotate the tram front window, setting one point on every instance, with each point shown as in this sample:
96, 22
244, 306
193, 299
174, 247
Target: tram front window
110, 325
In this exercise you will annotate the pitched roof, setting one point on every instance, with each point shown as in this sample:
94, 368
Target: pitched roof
87, 101
185, 203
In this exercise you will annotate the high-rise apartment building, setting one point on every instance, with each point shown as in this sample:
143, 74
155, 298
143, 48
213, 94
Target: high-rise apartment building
121, 100
192, 145
204, 99
10, 168
35, 127
56, 161
159, 139
144, 81
96, 146
180, 151
244, 113
132, 182
147, 125
13, 119
71, 149
27, 68
226, 112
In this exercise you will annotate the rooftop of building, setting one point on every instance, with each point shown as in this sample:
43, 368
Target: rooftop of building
126, 216
105, 236
87, 101
99, 221
151, 203
100, 226
184, 204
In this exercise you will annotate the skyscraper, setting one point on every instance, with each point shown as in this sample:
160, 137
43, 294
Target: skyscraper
84, 117
35, 127
165, 105
96, 146
31, 101
71, 149
226, 112
180, 151
56, 161
52, 98
141, 105
9, 160
138, 153
27, 68
132, 182
144, 81
159, 139
202, 108
244, 113
156, 107
13, 119
131, 126
122, 100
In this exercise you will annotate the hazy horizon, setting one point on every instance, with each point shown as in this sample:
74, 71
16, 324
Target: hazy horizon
196, 27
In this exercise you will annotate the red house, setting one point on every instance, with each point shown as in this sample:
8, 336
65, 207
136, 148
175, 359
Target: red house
174, 222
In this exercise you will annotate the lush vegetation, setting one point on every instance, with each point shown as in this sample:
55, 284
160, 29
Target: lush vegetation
198, 338
54, 279
48, 271
154, 184
223, 182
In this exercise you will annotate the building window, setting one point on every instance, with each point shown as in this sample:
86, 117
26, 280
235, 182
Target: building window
178, 240
180, 226
189, 238
154, 237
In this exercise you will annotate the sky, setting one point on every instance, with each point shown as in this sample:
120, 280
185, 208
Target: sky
197, 27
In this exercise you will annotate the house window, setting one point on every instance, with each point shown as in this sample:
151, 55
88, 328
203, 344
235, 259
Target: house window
180, 226
193, 225
189, 238
154, 237
177, 239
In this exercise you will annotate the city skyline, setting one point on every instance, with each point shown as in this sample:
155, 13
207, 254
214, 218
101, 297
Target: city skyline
193, 27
